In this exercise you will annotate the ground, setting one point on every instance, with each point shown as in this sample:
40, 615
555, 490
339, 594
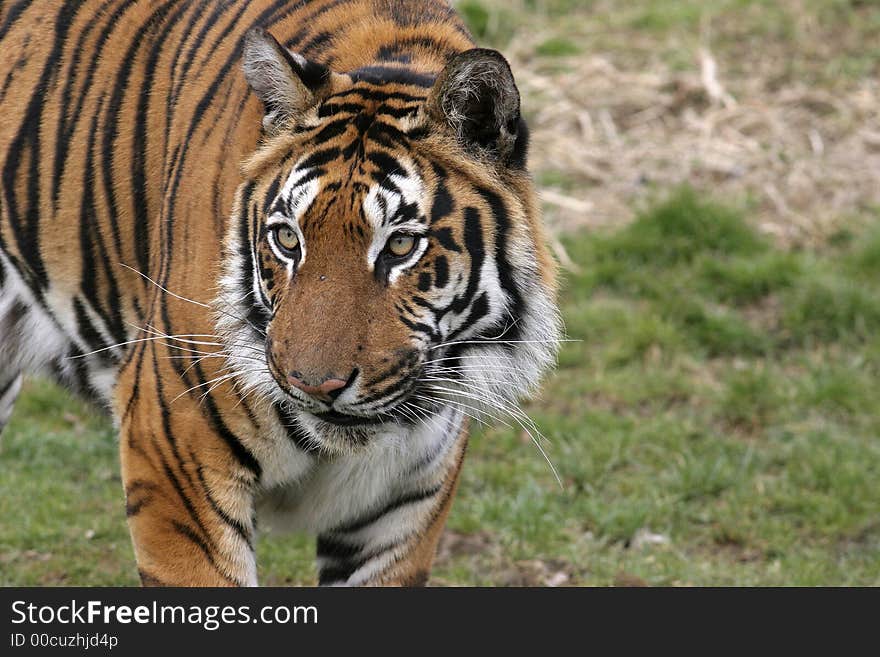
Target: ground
711, 172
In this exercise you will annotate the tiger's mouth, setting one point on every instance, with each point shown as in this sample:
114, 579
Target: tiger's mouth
338, 428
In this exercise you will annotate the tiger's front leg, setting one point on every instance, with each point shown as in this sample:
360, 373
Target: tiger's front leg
188, 482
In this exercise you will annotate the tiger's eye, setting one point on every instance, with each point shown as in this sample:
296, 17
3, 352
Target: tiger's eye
287, 238
401, 245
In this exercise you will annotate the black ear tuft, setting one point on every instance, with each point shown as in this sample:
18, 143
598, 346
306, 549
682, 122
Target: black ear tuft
519, 158
287, 83
476, 96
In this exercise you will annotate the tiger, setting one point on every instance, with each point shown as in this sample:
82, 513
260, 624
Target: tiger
294, 250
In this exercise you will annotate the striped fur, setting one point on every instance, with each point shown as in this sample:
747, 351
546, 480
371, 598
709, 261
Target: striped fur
157, 156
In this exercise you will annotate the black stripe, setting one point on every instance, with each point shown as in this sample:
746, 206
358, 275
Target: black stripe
178, 488
346, 564
15, 12
149, 580
319, 158
26, 229
332, 548
138, 165
12, 319
69, 114
342, 571
516, 306
236, 525
392, 51
316, 43
332, 130
8, 386
111, 133
404, 362
375, 93
220, 10
271, 193
172, 442
195, 539
368, 519
441, 272
443, 204
95, 254
398, 112
242, 454
297, 436
387, 135
446, 239
335, 574
329, 109
79, 381
133, 508
479, 309
474, 245
393, 74
245, 244
388, 166
307, 20
420, 327
87, 331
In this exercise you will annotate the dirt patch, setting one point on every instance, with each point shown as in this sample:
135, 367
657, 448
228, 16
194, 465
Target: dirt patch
485, 553
739, 553
765, 315
25, 556
536, 572
455, 544
627, 580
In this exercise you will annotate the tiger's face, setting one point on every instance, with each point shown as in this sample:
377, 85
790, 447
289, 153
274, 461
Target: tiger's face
384, 259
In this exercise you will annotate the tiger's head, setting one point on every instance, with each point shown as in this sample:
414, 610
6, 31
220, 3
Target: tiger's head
385, 257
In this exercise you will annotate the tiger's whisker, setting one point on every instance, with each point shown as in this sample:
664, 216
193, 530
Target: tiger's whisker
515, 416
502, 342
197, 303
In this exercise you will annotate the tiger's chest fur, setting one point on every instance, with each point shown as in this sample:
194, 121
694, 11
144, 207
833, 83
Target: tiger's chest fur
303, 336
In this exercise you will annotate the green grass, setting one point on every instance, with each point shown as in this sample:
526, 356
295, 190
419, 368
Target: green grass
721, 397
61, 496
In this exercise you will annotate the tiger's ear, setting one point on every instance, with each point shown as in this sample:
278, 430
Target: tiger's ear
287, 83
476, 96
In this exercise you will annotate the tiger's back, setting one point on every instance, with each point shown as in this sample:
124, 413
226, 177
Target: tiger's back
139, 264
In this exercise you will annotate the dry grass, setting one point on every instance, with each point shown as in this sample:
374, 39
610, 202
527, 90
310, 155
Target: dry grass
786, 122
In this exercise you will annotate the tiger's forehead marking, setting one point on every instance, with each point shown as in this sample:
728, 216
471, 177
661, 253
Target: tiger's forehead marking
299, 191
396, 199
395, 204
358, 175
379, 185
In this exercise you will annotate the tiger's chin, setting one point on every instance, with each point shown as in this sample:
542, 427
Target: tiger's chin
337, 434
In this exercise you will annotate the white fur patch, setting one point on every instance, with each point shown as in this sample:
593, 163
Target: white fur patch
345, 487
381, 206
42, 339
298, 198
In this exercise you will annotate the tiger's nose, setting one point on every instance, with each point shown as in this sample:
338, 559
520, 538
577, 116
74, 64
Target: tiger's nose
328, 390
